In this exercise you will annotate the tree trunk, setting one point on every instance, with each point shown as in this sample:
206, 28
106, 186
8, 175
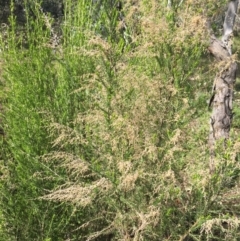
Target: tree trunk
222, 98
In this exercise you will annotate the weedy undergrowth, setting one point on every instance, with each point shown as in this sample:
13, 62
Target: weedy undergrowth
106, 128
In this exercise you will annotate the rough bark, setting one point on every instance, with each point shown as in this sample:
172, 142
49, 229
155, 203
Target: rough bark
222, 98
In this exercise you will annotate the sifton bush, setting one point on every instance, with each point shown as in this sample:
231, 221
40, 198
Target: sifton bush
39, 83
106, 128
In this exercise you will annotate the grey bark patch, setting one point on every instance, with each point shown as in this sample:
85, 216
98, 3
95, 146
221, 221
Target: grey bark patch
222, 98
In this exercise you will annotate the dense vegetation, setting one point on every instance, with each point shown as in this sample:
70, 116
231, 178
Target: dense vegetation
106, 122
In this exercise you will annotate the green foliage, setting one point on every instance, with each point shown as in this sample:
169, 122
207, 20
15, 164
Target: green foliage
39, 85
106, 139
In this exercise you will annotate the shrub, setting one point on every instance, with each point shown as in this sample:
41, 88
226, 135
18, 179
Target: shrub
106, 129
